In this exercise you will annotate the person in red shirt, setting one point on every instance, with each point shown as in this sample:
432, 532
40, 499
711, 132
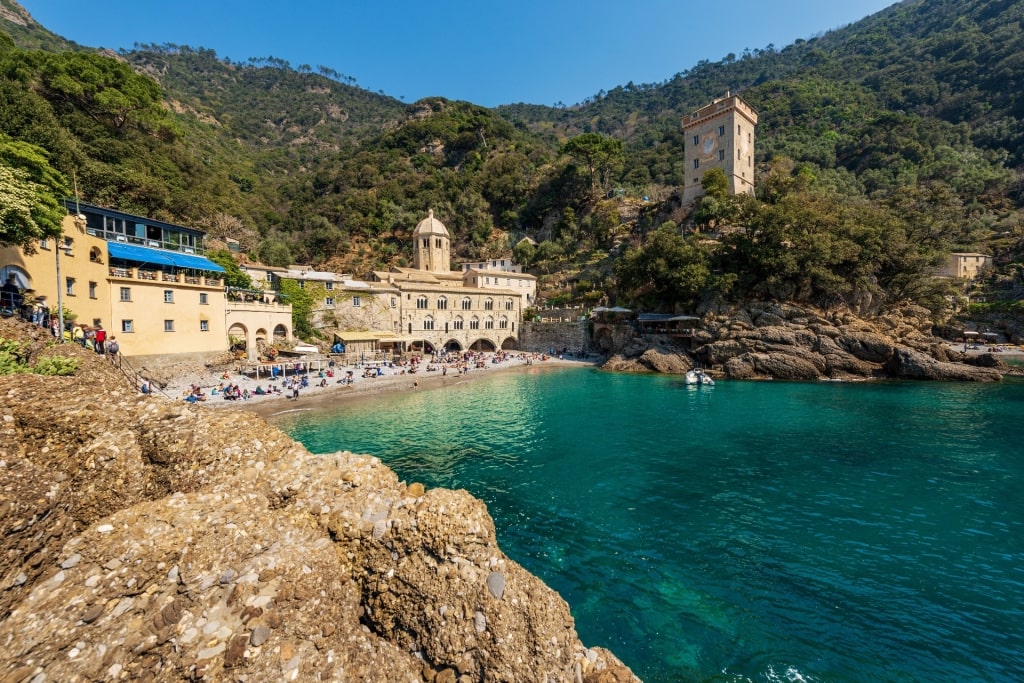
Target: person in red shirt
101, 338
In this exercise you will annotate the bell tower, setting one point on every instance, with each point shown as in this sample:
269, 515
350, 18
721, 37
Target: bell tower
431, 249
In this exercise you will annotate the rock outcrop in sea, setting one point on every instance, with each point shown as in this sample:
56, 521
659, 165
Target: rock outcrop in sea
782, 341
150, 540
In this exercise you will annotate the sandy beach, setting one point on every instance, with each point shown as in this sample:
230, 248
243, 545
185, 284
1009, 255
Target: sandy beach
316, 396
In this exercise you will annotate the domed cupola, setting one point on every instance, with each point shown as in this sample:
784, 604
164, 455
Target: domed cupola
431, 245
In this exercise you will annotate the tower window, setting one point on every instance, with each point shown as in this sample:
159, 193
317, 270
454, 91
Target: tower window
721, 130
721, 155
696, 163
696, 139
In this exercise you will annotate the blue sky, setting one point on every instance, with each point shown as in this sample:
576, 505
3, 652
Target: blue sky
489, 53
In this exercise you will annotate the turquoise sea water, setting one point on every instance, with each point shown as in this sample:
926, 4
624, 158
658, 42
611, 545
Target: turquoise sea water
745, 532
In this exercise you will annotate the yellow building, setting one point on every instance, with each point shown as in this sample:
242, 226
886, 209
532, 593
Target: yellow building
720, 135
424, 308
439, 308
966, 265
144, 281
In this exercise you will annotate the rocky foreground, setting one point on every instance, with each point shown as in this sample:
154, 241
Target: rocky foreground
146, 539
779, 341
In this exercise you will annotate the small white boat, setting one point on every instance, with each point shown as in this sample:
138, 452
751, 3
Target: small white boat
697, 376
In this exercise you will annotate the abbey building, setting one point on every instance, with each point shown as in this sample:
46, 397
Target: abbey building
427, 307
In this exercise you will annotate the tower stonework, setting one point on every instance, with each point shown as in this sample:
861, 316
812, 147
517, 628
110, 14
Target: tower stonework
720, 135
431, 246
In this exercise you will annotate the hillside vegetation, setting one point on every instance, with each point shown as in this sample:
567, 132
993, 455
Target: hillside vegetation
881, 146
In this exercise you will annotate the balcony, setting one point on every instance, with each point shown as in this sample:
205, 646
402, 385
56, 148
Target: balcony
164, 276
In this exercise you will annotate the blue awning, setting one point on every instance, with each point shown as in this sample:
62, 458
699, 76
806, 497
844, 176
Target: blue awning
133, 252
191, 261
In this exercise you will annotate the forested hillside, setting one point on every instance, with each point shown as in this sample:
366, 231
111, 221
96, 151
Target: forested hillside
881, 146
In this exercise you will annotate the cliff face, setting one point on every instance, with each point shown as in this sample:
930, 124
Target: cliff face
796, 343
149, 540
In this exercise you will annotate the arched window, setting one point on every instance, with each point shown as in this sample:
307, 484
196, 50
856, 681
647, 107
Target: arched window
428, 323
474, 323
489, 323
509, 305
467, 304
421, 302
95, 255
442, 303
489, 304
503, 322
457, 323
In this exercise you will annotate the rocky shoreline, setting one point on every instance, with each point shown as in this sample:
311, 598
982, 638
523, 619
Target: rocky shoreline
152, 540
780, 341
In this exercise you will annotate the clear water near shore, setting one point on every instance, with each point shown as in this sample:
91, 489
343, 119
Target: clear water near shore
746, 532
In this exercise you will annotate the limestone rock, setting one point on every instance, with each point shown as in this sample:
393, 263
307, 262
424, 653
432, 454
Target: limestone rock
910, 364
149, 540
767, 339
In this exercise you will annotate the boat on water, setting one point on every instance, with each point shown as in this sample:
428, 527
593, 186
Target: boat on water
698, 377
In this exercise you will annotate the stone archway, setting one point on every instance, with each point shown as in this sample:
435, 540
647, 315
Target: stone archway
452, 346
603, 340
483, 344
510, 344
280, 334
238, 336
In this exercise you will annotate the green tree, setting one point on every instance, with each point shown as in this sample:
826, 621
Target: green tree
28, 189
524, 252
668, 270
234, 276
303, 302
602, 156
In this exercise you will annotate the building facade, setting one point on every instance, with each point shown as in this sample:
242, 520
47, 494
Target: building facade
425, 308
966, 265
144, 281
720, 135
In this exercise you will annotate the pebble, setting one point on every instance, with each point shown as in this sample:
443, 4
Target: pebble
479, 622
496, 584
105, 528
211, 652
71, 561
93, 613
259, 635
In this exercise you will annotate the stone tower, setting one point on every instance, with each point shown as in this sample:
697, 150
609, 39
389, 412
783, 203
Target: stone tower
720, 135
431, 249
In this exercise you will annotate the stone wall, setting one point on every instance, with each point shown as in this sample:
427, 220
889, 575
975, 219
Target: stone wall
543, 337
151, 540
